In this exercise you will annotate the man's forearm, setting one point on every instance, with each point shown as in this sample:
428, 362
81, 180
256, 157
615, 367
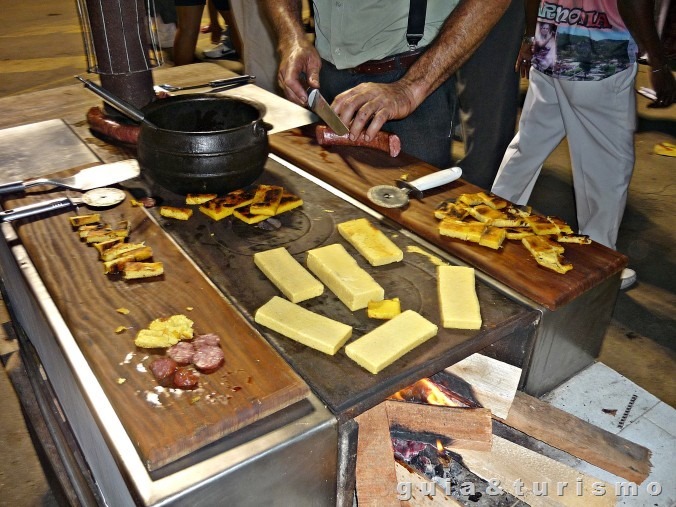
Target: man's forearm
462, 32
285, 16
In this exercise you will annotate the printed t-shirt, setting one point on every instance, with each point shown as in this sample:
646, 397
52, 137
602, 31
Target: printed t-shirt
582, 40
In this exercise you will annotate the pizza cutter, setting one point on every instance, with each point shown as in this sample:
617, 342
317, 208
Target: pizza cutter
95, 198
389, 196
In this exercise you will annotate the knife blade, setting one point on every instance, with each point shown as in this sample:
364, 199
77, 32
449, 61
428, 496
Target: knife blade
322, 109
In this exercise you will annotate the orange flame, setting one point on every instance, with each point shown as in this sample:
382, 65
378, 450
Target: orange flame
426, 391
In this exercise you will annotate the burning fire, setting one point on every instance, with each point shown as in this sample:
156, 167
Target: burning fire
426, 391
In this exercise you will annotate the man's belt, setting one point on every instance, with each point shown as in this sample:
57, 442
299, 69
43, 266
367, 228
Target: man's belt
401, 61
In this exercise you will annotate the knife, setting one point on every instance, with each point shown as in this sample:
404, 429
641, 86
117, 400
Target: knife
322, 108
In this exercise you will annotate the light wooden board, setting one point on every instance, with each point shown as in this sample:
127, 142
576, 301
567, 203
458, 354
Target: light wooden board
525, 474
493, 382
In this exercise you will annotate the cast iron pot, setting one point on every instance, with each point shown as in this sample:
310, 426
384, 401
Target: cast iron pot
199, 143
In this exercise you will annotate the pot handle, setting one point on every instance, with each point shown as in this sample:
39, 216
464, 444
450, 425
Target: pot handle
261, 128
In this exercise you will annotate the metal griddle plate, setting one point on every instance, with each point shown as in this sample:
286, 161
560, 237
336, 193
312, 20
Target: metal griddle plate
225, 249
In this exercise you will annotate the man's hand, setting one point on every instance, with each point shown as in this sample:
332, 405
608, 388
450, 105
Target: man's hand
367, 106
299, 69
300, 62
664, 84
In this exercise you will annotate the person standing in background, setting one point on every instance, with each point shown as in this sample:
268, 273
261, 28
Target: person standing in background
488, 96
363, 63
189, 18
588, 96
214, 28
259, 55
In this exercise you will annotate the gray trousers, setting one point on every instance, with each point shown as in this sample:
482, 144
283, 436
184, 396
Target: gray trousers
598, 118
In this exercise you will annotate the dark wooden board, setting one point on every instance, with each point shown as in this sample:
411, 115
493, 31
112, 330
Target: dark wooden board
255, 382
355, 170
224, 250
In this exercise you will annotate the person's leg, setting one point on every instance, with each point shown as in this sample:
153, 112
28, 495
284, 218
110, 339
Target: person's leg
233, 32
600, 119
215, 28
189, 18
223, 6
488, 96
540, 131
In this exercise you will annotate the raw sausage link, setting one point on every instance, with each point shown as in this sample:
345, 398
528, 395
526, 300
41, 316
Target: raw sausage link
108, 127
384, 141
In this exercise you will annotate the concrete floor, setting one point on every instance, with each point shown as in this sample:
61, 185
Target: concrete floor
41, 47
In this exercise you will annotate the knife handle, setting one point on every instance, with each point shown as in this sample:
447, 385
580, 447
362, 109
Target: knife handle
12, 187
246, 78
435, 179
35, 209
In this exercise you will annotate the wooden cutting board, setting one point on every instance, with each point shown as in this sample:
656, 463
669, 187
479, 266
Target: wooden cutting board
163, 424
355, 170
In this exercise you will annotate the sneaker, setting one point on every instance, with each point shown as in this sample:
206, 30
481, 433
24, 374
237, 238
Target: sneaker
221, 50
628, 278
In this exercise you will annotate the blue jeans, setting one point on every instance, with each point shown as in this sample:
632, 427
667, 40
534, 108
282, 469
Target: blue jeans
425, 133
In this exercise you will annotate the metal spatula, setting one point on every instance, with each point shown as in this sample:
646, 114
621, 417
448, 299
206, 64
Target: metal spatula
389, 196
92, 177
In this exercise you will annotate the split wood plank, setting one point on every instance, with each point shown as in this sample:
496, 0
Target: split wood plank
468, 428
536, 479
493, 382
416, 490
375, 471
571, 434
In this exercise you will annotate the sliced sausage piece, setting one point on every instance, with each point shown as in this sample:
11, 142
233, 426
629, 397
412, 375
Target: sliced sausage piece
163, 369
210, 339
185, 378
182, 352
208, 359
383, 141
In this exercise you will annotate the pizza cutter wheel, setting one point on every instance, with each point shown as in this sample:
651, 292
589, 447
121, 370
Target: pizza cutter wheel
95, 198
389, 196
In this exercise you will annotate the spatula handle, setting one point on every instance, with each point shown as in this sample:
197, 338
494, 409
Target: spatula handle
12, 187
35, 209
436, 179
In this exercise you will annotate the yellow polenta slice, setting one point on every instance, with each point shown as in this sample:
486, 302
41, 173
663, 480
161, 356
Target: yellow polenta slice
388, 342
304, 326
